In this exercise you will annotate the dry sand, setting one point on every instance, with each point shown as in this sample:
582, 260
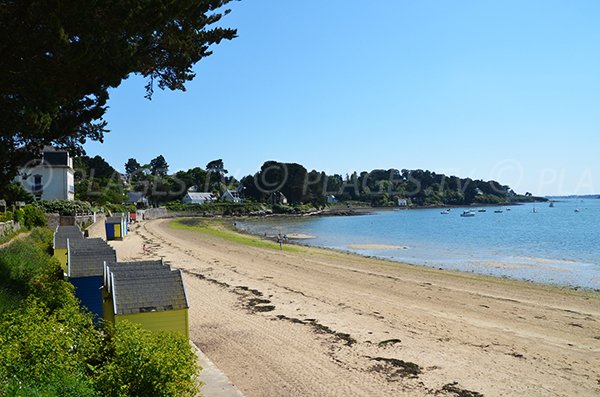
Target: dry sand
323, 323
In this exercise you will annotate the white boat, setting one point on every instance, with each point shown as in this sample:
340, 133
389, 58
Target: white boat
446, 212
467, 214
577, 210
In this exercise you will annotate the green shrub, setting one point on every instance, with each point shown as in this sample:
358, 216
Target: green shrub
34, 216
47, 353
27, 269
19, 216
119, 207
65, 207
224, 208
50, 347
6, 216
143, 363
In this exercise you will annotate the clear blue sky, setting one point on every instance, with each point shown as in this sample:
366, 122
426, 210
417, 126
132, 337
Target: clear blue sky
505, 90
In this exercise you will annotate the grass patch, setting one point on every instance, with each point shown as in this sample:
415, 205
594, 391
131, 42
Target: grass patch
217, 229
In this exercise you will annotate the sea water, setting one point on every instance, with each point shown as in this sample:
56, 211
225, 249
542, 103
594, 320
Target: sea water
534, 242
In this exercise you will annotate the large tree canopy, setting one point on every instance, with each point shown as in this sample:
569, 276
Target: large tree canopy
59, 58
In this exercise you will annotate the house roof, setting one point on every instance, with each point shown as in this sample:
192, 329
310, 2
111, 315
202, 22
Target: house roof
234, 193
86, 257
200, 196
146, 287
63, 233
136, 197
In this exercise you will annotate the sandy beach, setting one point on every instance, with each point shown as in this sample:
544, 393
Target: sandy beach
324, 323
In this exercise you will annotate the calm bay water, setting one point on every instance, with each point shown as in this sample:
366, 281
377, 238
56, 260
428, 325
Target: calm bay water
551, 245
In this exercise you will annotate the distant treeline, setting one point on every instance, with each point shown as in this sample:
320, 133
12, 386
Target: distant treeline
378, 187
98, 182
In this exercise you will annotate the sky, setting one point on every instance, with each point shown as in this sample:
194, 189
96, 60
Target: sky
503, 90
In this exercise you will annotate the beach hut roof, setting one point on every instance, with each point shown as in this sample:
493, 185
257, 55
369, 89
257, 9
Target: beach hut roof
139, 268
63, 233
151, 291
86, 257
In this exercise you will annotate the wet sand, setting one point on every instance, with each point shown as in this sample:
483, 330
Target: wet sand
325, 323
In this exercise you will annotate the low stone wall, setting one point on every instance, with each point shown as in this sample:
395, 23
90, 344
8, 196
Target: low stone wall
8, 227
98, 228
154, 213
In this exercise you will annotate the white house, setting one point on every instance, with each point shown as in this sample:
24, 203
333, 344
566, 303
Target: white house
198, 198
232, 196
402, 203
50, 178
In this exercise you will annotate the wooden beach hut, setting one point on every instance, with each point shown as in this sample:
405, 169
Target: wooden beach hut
116, 227
59, 244
148, 293
85, 266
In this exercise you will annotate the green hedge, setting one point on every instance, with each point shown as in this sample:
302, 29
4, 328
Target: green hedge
224, 208
64, 207
50, 347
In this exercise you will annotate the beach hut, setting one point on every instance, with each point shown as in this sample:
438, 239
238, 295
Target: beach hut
85, 270
59, 244
148, 293
116, 226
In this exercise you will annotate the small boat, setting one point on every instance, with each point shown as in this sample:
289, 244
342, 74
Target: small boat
467, 214
482, 211
577, 210
534, 210
552, 204
446, 212
498, 212
509, 209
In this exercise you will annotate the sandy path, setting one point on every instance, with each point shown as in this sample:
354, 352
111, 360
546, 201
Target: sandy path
316, 323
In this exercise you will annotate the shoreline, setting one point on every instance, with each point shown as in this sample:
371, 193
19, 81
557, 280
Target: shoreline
301, 243
319, 322
342, 211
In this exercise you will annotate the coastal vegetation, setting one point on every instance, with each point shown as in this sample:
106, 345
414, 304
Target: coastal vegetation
50, 347
379, 188
220, 230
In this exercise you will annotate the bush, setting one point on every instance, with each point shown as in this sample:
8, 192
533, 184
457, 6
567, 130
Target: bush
49, 347
65, 207
47, 353
19, 216
142, 363
224, 208
26, 268
119, 207
6, 216
34, 216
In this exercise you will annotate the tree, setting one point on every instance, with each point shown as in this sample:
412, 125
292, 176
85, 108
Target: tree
131, 167
59, 63
216, 174
159, 166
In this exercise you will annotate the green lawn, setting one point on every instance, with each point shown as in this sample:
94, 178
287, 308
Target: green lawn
218, 229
